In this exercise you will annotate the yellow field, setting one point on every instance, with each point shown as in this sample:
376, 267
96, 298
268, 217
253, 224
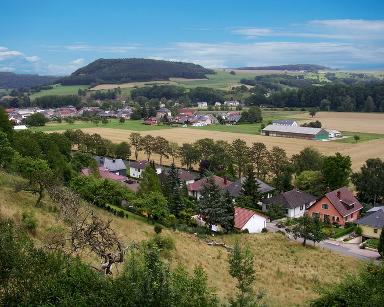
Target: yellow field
288, 272
348, 121
359, 152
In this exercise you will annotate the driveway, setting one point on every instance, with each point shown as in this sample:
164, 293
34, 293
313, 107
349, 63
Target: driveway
346, 249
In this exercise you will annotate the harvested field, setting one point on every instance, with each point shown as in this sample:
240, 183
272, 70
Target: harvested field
348, 121
358, 152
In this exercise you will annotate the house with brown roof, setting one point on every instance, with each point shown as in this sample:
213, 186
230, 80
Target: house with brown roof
294, 202
195, 188
251, 220
339, 206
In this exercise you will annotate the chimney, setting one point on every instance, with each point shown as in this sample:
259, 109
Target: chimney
338, 194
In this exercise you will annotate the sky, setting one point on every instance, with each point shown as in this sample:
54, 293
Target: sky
52, 37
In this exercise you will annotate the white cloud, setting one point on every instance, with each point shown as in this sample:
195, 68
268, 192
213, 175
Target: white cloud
78, 62
5, 53
102, 48
32, 59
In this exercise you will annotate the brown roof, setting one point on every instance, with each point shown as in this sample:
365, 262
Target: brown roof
242, 216
344, 201
199, 184
291, 199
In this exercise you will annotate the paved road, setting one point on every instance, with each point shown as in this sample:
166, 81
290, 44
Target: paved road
351, 250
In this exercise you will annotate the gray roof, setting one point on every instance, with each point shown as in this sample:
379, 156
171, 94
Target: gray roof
287, 122
291, 199
374, 209
374, 219
112, 165
293, 129
235, 187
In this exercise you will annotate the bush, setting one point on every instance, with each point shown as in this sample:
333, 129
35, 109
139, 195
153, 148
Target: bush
158, 228
29, 221
358, 231
264, 230
245, 230
162, 243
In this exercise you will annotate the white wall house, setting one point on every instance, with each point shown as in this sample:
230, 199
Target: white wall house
136, 169
202, 105
251, 220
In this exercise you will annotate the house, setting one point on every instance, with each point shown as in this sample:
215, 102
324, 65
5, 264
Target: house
265, 190
162, 112
105, 174
107, 114
232, 118
339, 206
116, 166
124, 113
202, 120
296, 132
137, 167
186, 177
285, 122
294, 202
151, 121
217, 104
246, 219
231, 103
186, 112
372, 223
202, 105
66, 112
334, 133
195, 188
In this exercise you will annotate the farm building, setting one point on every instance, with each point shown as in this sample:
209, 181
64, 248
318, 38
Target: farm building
285, 122
295, 132
334, 133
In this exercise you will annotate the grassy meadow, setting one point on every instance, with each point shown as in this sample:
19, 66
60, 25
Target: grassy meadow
286, 272
59, 89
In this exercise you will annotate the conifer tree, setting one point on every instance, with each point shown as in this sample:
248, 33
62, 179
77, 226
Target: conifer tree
229, 209
380, 247
173, 191
149, 181
250, 189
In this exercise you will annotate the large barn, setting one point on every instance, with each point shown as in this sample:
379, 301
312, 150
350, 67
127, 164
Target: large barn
296, 132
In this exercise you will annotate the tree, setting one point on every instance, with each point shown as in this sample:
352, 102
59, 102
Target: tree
240, 155
380, 246
228, 221
6, 150
280, 169
303, 229
210, 204
250, 189
189, 155
369, 105
356, 138
173, 150
173, 191
5, 124
37, 173
311, 182
149, 181
161, 147
259, 157
317, 230
276, 211
241, 267
369, 181
154, 204
36, 119
136, 141
336, 171
309, 159
312, 112
123, 151
148, 145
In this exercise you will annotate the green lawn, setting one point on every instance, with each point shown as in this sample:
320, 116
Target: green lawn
134, 125
364, 137
59, 90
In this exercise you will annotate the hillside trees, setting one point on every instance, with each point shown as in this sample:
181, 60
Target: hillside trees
135, 140
5, 124
309, 159
240, 154
259, 158
336, 171
249, 195
161, 147
6, 151
123, 151
147, 143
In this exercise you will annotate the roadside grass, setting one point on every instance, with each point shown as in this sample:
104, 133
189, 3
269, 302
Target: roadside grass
372, 243
134, 125
59, 89
286, 271
364, 137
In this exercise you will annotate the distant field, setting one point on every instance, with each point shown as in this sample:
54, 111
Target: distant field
348, 121
133, 125
59, 90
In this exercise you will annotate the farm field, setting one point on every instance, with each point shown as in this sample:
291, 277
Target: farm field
348, 121
359, 152
59, 90
286, 271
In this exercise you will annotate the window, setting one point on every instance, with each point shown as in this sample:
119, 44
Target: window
375, 230
352, 216
324, 206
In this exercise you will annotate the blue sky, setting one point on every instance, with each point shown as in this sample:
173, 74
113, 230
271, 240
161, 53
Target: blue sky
57, 37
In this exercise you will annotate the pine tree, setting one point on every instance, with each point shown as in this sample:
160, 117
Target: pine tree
380, 247
228, 222
173, 191
250, 189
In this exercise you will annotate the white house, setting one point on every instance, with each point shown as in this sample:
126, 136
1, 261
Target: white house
334, 133
251, 220
285, 122
294, 202
137, 167
202, 105
231, 103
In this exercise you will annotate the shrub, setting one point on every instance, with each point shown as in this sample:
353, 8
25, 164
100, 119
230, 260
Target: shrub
29, 221
264, 230
158, 228
245, 230
162, 243
358, 231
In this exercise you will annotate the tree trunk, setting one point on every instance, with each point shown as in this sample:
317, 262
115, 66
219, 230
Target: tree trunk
304, 241
136, 154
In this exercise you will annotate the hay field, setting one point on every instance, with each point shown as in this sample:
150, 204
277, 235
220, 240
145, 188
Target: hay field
359, 152
347, 121
288, 272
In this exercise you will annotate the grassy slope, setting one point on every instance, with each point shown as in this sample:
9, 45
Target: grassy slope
59, 90
288, 272
364, 137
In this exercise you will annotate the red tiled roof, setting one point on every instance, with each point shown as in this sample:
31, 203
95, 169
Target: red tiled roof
242, 216
344, 201
104, 173
199, 184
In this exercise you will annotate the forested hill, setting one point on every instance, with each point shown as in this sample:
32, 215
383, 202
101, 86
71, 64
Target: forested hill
13, 81
292, 67
133, 70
